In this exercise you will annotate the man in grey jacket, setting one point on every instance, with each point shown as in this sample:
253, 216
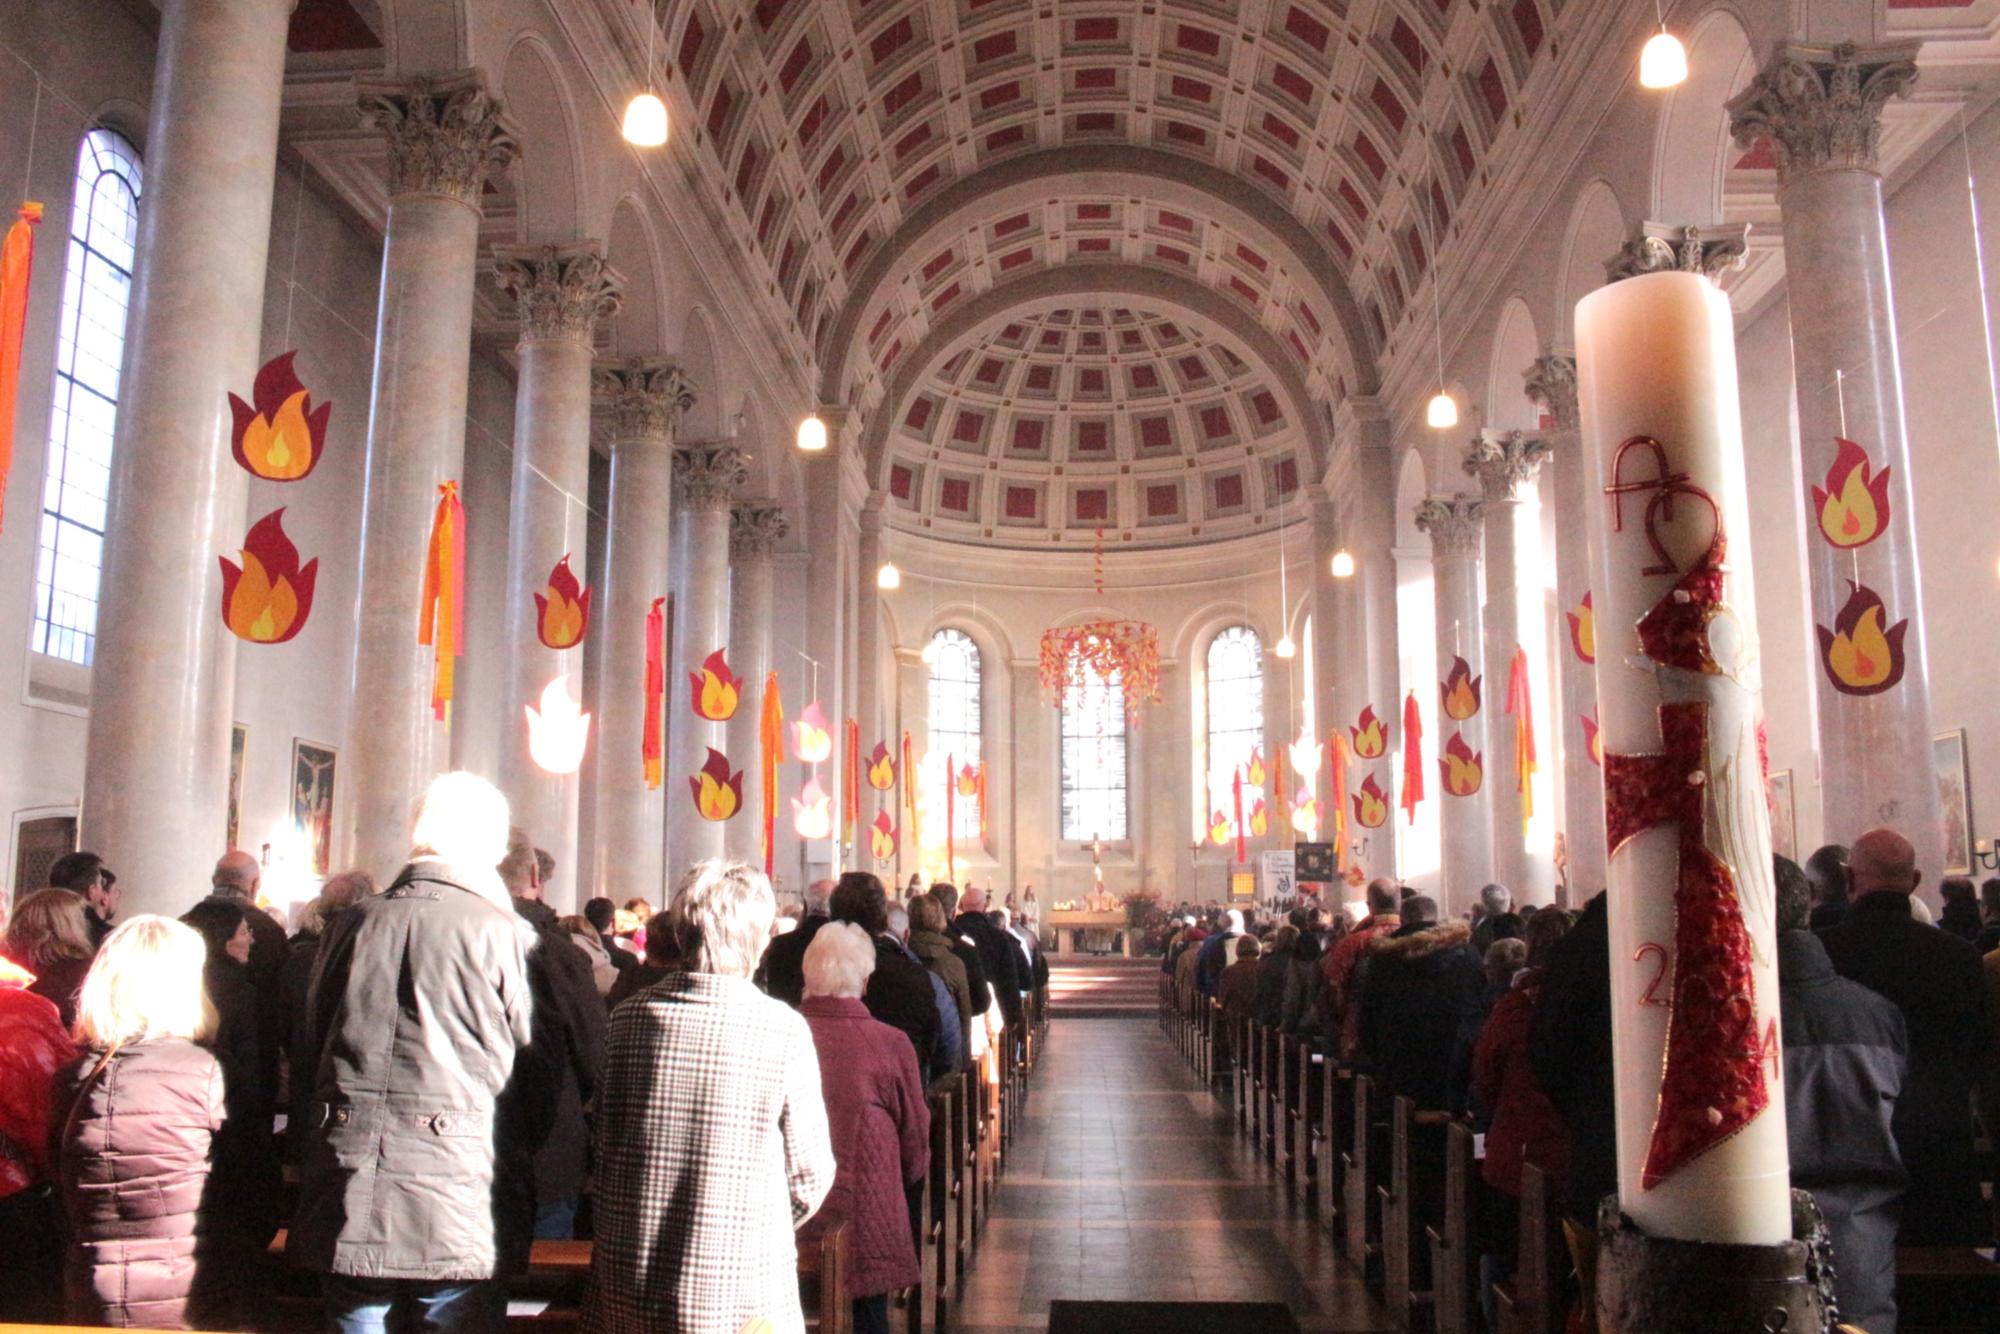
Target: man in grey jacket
417, 1192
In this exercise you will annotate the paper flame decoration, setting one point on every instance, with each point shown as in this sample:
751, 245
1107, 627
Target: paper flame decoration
1462, 770
881, 768
1254, 775
1583, 631
967, 781
1305, 813
1413, 763
1123, 653
1371, 804
281, 437
441, 615
266, 600
1853, 506
812, 812
1593, 744
1460, 690
812, 739
562, 610
1306, 752
882, 838
1371, 735
1218, 829
559, 733
1860, 656
718, 794
714, 690
1260, 820
652, 729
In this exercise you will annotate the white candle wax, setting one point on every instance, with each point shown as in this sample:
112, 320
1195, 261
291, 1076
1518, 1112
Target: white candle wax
1656, 358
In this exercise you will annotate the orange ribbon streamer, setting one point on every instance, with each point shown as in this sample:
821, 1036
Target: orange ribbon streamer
17, 258
771, 753
652, 736
441, 618
1338, 753
912, 825
1413, 757
982, 801
1520, 704
1277, 801
850, 796
1236, 782
950, 819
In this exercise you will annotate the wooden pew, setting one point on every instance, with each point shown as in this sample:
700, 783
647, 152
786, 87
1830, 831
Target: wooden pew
1411, 1200
965, 1147
823, 1283
1305, 1122
1278, 1125
1454, 1256
1356, 1187
1945, 1290
1336, 1128
1532, 1302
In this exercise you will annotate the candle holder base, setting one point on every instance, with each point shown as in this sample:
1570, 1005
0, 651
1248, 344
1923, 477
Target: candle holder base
1647, 1284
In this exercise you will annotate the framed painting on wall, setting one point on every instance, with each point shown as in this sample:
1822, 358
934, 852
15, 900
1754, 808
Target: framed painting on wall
1784, 815
312, 800
1955, 799
239, 742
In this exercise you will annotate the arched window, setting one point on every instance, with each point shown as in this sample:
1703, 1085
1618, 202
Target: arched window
1093, 759
1235, 712
955, 726
97, 288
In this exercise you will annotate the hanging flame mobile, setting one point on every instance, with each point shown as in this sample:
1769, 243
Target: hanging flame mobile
558, 734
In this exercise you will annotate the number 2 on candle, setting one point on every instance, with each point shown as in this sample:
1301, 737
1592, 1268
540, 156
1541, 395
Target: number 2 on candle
1651, 996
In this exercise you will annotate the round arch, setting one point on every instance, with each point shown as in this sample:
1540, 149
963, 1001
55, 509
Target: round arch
1515, 347
639, 327
1597, 227
1692, 148
695, 350
538, 104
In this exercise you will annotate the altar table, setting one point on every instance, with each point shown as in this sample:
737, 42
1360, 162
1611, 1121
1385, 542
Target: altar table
1066, 924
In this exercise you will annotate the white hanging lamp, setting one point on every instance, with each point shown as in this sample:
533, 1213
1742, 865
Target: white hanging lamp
812, 434
645, 123
1663, 61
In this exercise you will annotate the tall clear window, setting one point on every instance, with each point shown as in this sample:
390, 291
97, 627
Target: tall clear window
1235, 711
955, 726
97, 289
1093, 759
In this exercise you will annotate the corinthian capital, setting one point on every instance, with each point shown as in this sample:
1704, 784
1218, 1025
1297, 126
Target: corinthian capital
1550, 383
562, 290
445, 133
1453, 524
647, 397
708, 475
1821, 106
1504, 462
755, 529
1662, 248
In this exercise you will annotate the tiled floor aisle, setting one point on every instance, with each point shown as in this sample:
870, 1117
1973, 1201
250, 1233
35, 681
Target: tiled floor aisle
1129, 1182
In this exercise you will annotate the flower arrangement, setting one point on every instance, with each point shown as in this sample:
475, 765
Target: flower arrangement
1125, 652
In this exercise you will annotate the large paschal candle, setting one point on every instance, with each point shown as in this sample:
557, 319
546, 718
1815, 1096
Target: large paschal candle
1694, 981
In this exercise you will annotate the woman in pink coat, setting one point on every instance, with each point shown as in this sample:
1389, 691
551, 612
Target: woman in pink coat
881, 1124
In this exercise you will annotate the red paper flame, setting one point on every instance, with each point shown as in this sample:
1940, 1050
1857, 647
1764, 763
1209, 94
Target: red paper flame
266, 599
1462, 770
280, 438
1583, 630
1371, 735
1862, 657
1853, 506
1371, 804
718, 794
562, 610
1460, 690
713, 690
881, 768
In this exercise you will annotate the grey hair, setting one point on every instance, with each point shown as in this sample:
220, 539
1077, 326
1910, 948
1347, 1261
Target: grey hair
839, 961
1420, 910
721, 918
899, 921
1497, 898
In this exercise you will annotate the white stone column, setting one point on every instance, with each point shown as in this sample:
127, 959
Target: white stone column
827, 623
755, 529
1455, 528
647, 398
445, 137
1505, 465
562, 292
913, 694
865, 703
1821, 107
1551, 382
163, 671
706, 477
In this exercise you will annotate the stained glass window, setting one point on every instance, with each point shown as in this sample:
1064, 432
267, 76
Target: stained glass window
1094, 801
955, 725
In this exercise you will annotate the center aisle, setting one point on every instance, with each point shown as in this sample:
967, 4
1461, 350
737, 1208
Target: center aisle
1127, 1182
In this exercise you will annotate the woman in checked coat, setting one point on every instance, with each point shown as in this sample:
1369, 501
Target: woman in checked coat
712, 1142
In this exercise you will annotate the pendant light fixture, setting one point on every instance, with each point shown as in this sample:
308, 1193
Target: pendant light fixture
646, 115
888, 576
1442, 412
1663, 61
1343, 564
812, 434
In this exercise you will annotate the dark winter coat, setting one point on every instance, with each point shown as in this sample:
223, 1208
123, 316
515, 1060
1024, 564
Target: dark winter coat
1300, 1013
782, 974
1420, 982
1236, 990
58, 981
899, 994
1934, 979
420, 1005
247, 1166
1524, 1126
1001, 959
294, 982
1272, 970
556, 1076
148, 1244
979, 992
635, 980
1569, 1044
881, 1126
1845, 1058
937, 954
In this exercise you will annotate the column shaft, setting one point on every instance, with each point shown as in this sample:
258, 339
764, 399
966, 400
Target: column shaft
445, 135
755, 529
163, 671
707, 476
1453, 523
826, 620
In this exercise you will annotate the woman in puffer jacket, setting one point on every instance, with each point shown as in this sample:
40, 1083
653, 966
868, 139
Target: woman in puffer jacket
137, 1116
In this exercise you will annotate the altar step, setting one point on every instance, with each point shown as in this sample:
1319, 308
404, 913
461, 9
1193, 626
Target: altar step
1106, 988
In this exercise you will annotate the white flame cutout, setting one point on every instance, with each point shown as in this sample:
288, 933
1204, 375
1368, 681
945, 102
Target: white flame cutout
558, 734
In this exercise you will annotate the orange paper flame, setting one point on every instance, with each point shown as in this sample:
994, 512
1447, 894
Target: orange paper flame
1461, 768
1260, 820
1583, 630
812, 738
279, 439
1371, 804
1218, 829
881, 768
1305, 813
266, 600
1461, 691
1592, 742
1371, 737
1853, 506
1255, 776
812, 812
718, 794
882, 838
715, 692
562, 610
1861, 657
968, 782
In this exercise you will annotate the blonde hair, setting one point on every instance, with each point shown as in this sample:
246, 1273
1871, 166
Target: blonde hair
48, 927
145, 986
722, 918
461, 819
839, 961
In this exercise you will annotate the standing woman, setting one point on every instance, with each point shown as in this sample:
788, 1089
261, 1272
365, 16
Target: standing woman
50, 937
137, 1114
247, 1165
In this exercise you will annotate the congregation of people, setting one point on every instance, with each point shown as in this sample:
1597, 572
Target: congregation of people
1891, 1041
420, 1081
